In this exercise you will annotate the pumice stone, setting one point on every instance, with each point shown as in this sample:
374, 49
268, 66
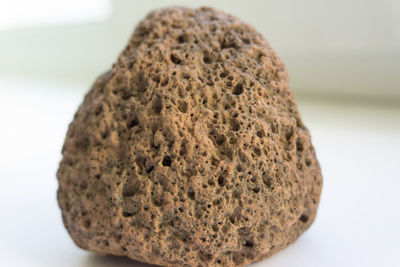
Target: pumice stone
190, 151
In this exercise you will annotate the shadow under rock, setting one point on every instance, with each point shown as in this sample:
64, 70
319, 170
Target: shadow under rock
95, 260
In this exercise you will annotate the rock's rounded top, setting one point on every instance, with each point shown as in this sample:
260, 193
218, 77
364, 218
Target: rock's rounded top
191, 150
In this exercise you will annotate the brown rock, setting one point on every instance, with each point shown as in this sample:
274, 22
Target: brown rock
191, 150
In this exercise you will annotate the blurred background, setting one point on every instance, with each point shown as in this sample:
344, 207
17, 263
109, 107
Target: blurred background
343, 58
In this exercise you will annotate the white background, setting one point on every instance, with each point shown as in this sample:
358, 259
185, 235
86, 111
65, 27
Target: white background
351, 47
344, 61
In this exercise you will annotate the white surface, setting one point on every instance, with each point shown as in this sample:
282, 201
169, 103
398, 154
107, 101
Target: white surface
358, 149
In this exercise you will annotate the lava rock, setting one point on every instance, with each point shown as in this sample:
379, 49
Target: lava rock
190, 151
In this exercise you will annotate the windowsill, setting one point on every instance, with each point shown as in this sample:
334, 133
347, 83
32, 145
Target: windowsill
357, 147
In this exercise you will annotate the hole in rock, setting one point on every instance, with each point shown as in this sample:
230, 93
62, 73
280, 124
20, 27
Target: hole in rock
166, 161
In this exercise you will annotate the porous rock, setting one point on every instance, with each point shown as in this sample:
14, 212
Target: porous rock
190, 151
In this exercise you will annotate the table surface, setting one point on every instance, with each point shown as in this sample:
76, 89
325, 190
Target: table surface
357, 146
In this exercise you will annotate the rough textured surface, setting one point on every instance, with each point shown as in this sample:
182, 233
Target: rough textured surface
191, 150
